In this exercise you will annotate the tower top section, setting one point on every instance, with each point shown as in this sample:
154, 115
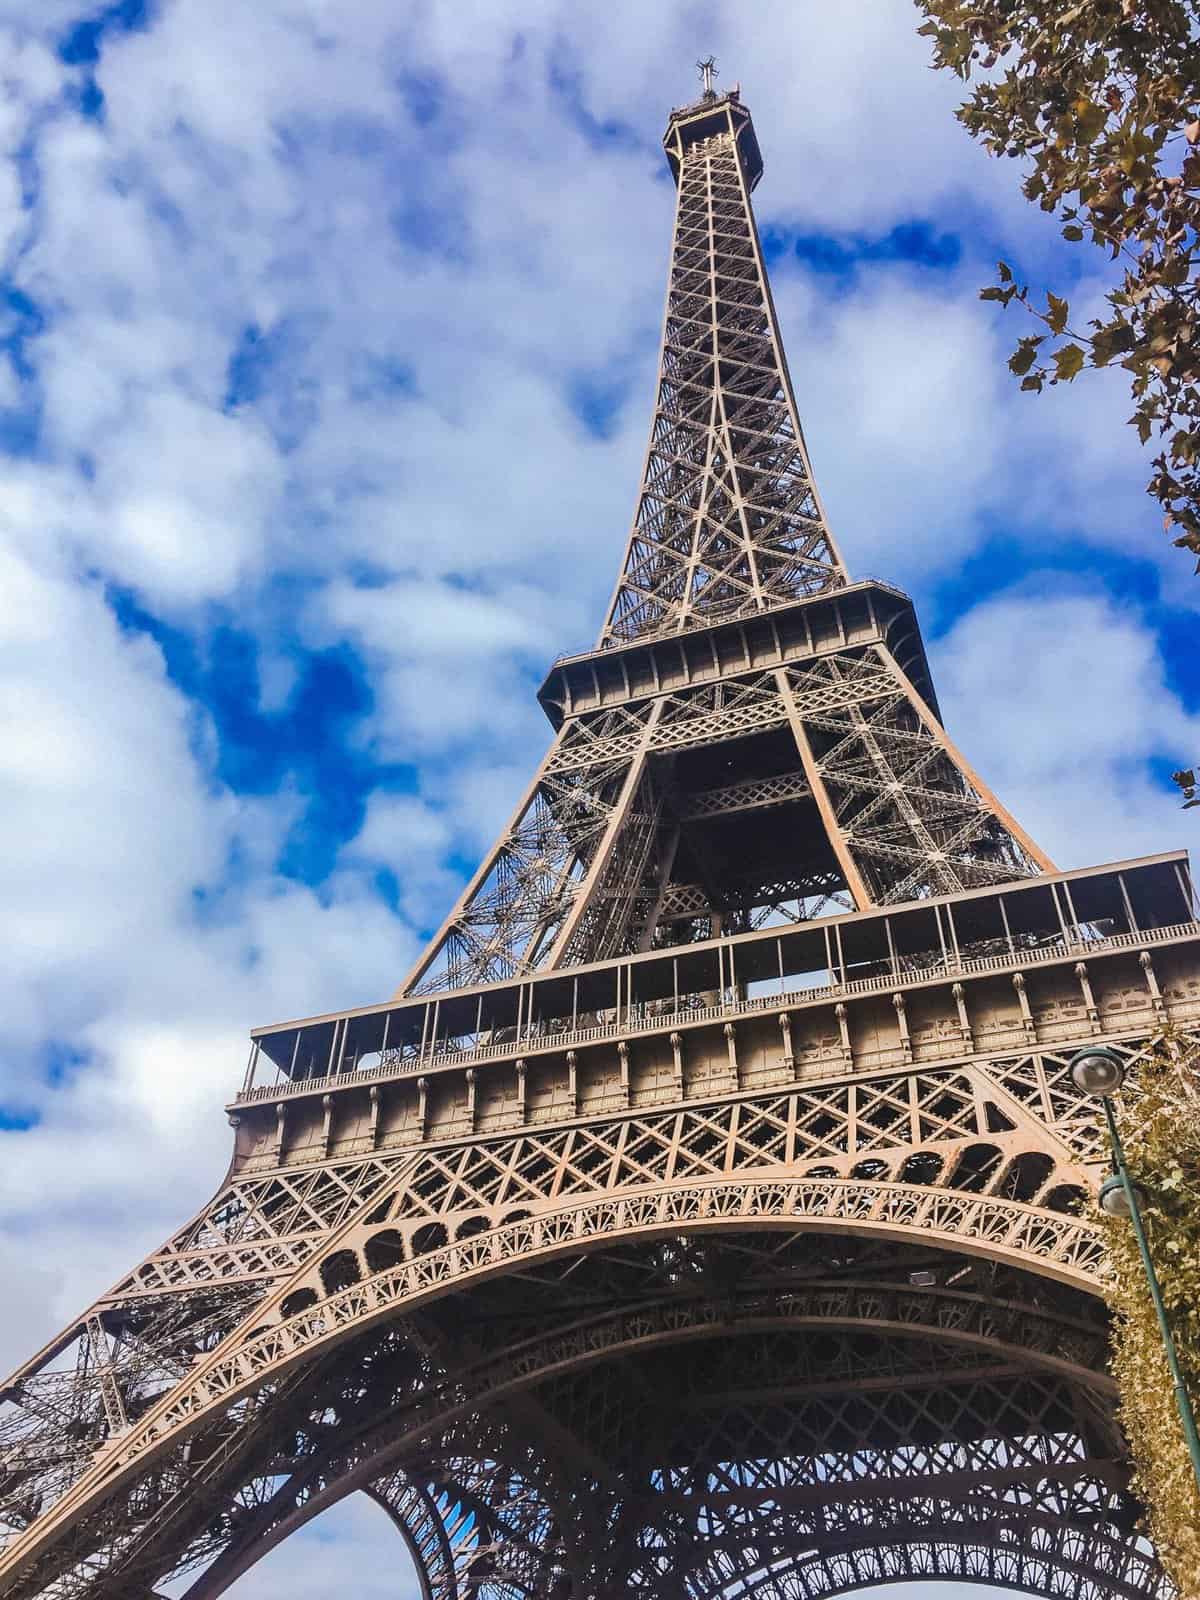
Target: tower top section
714, 114
728, 521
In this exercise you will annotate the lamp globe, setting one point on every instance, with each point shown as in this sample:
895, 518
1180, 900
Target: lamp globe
1097, 1071
1114, 1201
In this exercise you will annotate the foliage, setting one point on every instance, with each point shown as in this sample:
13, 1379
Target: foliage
1102, 99
1160, 1126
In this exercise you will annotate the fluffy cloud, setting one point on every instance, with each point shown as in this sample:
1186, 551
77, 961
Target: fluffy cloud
924, 447
355, 1536
1062, 700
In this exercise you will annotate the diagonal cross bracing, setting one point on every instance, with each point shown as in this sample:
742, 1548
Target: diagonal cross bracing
728, 520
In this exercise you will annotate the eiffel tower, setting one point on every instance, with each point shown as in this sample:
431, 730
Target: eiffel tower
705, 1214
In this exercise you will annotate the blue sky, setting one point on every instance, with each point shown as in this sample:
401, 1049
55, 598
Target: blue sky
327, 343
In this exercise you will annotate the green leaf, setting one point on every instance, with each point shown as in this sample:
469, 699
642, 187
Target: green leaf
1099, 102
1023, 357
1067, 362
1175, 271
1090, 118
1110, 339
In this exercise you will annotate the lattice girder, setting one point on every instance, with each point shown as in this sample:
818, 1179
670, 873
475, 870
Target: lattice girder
318, 1484
881, 795
730, 1164
728, 520
821, 1130
1036, 1556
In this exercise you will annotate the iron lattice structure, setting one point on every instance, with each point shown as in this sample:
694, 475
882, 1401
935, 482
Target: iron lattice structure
705, 1214
729, 756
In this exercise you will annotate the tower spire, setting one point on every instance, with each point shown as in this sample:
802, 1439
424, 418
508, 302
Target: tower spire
708, 71
728, 520
755, 740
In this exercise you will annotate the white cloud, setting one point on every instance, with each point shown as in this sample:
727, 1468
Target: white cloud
98, 783
31, 79
450, 665
1061, 700
354, 1536
129, 946
924, 447
403, 835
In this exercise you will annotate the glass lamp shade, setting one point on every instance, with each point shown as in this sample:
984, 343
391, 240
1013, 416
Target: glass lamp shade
1097, 1071
1113, 1199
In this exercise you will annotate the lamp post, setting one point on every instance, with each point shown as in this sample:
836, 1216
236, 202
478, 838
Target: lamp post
1099, 1071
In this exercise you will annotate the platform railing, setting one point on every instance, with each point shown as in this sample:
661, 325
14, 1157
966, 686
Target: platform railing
645, 1018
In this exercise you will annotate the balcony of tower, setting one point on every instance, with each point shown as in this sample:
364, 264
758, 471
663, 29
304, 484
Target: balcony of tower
852, 618
1001, 973
709, 118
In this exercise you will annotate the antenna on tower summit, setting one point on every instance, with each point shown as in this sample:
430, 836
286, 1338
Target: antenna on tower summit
708, 71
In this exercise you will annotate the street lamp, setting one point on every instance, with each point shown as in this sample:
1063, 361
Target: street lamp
1113, 1199
1101, 1072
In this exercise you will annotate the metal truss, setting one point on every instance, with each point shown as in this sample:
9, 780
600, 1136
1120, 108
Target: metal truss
1033, 1499
885, 809
477, 1528
728, 520
614, 846
960, 1405
909, 813
435, 1541
790, 1370
992, 1158
987, 1164
1037, 1555
972, 1438
1047, 1565
749, 1302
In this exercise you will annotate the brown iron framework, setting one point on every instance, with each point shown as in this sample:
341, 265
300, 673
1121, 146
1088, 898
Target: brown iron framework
706, 1214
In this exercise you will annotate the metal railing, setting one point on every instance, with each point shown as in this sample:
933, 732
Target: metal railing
641, 1017
652, 636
